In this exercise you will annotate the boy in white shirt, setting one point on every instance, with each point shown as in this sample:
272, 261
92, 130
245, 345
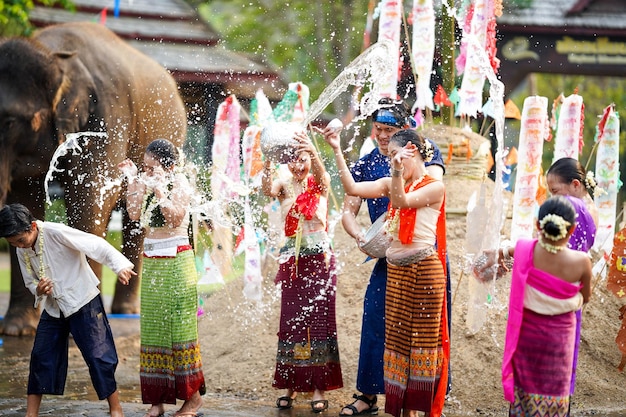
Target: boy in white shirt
53, 261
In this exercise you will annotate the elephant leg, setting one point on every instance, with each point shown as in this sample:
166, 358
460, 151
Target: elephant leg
126, 298
22, 318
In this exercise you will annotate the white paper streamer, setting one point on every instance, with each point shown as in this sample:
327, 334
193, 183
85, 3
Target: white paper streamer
607, 178
534, 130
423, 49
471, 92
566, 142
481, 295
389, 28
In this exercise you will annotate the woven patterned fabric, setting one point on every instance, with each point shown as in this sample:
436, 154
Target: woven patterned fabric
308, 352
413, 358
543, 376
170, 362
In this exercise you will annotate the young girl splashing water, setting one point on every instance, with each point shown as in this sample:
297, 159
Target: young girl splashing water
308, 354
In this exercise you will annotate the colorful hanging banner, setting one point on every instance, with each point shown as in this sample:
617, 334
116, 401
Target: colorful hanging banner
260, 112
607, 177
302, 103
226, 148
423, 49
389, 24
252, 276
468, 63
569, 127
534, 130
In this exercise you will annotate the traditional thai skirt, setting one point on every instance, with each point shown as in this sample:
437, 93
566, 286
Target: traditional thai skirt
542, 365
414, 355
308, 353
170, 362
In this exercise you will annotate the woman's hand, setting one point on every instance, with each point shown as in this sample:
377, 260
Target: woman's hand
331, 136
407, 152
128, 169
304, 143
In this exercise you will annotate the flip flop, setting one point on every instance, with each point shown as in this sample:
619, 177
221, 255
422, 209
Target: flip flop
316, 403
285, 399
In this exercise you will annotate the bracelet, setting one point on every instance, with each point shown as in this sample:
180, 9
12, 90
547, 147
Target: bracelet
397, 172
505, 253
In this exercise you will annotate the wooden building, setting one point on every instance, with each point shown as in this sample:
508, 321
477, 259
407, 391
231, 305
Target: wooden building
586, 37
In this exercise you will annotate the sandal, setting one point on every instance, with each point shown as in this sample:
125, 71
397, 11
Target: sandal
315, 405
371, 404
285, 399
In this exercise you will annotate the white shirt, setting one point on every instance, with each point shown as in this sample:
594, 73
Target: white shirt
65, 252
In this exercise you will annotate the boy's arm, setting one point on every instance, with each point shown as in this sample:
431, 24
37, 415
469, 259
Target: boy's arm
94, 247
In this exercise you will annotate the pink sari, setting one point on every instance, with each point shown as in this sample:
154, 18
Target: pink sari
524, 273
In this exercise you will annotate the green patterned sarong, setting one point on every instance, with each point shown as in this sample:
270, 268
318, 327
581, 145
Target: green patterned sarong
170, 362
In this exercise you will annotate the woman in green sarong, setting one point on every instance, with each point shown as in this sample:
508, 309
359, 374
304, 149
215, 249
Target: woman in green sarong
170, 362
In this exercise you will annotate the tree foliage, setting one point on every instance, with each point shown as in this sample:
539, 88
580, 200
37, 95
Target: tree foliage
14, 15
309, 42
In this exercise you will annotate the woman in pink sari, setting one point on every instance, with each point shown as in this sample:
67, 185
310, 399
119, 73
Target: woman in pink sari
550, 282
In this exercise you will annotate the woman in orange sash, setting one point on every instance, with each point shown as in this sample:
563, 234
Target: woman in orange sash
417, 346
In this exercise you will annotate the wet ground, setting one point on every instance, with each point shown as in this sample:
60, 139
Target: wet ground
80, 398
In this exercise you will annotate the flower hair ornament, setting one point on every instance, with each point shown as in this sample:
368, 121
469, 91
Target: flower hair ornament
559, 221
427, 152
592, 185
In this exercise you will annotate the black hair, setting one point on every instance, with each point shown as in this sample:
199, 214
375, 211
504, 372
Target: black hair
560, 206
163, 151
15, 219
568, 170
397, 108
404, 136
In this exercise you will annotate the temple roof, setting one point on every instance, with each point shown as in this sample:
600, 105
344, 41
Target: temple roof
172, 33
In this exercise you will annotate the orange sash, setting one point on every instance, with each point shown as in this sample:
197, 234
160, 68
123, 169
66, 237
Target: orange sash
409, 215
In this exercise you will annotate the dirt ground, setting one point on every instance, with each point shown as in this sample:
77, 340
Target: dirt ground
239, 338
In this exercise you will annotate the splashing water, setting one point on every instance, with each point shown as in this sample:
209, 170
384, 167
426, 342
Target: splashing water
483, 295
71, 145
375, 64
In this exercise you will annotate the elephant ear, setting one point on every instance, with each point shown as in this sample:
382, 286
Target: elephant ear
75, 99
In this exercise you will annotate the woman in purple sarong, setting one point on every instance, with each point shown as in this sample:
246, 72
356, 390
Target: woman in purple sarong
550, 282
568, 178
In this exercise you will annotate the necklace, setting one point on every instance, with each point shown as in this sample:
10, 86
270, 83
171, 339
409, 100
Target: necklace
27, 260
394, 218
550, 248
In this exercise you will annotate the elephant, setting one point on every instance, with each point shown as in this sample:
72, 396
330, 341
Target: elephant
66, 79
